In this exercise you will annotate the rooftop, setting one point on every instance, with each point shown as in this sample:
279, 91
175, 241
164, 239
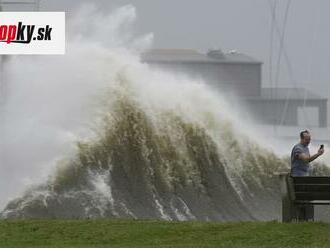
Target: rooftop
193, 56
289, 93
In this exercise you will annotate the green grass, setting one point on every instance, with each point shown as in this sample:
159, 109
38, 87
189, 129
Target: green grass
154, 233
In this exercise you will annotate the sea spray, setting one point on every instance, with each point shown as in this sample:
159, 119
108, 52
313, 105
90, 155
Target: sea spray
157, 166
50, 101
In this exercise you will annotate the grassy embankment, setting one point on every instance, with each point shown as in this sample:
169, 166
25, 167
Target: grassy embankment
152, 233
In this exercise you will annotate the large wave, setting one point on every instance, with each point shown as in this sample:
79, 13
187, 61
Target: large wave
163, 146
159, 166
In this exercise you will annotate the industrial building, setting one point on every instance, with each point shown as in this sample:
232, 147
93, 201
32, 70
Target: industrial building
239, 74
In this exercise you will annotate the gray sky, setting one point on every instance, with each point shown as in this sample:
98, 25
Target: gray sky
244, 25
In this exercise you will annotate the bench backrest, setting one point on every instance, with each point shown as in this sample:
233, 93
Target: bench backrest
311, 188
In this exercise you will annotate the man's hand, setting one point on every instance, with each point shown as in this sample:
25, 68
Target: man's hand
320, 151
307, 158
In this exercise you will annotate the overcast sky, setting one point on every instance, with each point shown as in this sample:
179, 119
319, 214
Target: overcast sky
243, 25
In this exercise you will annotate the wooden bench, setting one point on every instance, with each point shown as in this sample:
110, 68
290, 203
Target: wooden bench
300, 194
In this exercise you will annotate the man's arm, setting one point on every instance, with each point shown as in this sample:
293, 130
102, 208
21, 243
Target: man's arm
307, 158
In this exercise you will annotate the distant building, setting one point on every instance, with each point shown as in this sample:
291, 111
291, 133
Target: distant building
231, 72
286, 106
240, 74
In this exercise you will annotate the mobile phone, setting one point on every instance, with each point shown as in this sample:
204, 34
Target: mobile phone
321, 146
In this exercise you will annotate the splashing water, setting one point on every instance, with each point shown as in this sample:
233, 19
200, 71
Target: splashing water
149, 144
51, 100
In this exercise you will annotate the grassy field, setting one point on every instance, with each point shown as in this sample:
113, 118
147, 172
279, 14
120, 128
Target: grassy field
152, 233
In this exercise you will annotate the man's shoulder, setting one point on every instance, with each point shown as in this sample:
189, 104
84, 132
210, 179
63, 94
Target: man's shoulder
298, 145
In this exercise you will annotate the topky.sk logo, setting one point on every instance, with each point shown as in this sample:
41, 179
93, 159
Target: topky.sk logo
32, 32
21, 33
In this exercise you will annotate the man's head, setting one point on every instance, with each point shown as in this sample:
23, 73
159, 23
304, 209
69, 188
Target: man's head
305, 137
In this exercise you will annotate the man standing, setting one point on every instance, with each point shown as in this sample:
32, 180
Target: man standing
300, 156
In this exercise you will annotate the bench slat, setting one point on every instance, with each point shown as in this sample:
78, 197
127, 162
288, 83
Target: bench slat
300, 202
310, 196
311, 180
312, 187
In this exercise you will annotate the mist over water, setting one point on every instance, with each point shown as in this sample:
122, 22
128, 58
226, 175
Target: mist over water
96, 133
